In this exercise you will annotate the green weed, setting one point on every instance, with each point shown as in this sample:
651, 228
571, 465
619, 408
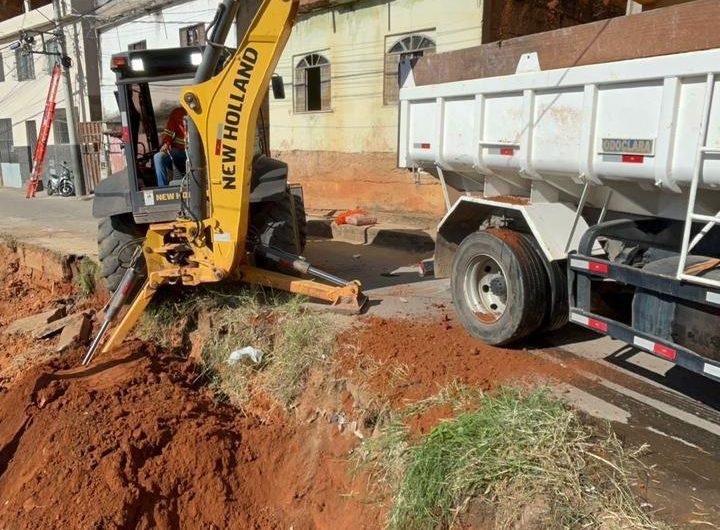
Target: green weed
514, 451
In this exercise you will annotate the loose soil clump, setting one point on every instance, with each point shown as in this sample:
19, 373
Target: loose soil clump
427, 355
135, 441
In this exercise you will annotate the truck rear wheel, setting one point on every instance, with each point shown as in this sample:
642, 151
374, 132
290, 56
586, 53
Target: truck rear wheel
117, 238
499, 286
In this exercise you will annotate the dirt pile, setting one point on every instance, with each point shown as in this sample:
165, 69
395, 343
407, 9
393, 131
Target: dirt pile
137, 442
418, 357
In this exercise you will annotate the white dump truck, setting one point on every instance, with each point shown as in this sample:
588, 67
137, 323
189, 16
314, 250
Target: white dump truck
588, 193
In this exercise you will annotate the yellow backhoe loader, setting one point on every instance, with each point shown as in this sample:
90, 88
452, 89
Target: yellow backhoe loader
230, 214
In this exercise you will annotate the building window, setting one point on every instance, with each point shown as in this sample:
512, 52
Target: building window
193, 35
2, 70
140, 45
61, 133
51, 47
7, 149
31, 133
312, 84
25, 66
409, 47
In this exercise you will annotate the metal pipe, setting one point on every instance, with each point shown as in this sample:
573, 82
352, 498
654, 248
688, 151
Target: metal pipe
291, 261
335, 280
197, 186
705, 230
446, 195
578, 213
117, 301
604, 211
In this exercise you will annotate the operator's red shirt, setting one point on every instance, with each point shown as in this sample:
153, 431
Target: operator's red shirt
175, 133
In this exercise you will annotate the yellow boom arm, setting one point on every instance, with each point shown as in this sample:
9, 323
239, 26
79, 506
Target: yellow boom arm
224, 110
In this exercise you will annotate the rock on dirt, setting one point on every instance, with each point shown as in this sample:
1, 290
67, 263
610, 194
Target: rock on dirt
75, 333
50, 329
32, 323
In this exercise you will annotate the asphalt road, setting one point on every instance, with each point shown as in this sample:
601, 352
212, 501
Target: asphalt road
648, 400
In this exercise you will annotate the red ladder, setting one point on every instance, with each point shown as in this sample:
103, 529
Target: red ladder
41, 147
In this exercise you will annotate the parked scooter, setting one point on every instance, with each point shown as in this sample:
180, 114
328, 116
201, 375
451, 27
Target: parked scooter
64, 184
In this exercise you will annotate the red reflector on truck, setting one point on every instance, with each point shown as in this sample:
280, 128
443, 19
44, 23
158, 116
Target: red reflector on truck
590, 266
633, 159
665, 352
424, 146
507, 151
598, 325
601, 268
654, 347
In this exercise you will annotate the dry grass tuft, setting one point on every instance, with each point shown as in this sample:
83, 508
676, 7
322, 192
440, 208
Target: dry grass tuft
291, 338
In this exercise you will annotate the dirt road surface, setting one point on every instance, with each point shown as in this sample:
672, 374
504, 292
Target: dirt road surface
646, 399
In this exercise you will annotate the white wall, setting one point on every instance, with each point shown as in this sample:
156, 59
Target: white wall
22, 101
354, 40
160, 30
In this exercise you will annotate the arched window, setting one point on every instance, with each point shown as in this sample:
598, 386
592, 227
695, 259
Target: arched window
312, 84
408, 47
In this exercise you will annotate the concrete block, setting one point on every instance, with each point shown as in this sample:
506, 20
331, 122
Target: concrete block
32, 323
75, 333
350, 234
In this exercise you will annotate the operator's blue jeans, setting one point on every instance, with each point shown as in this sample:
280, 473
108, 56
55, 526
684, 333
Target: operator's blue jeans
164, 163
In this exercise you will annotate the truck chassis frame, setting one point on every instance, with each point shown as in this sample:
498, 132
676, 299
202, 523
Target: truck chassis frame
584, 270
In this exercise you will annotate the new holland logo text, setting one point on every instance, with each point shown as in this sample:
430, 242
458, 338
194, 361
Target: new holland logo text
228, 134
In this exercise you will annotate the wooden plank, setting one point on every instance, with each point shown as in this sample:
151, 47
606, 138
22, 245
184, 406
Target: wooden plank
682, 28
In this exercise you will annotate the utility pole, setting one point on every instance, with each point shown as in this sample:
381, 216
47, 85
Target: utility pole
70, 112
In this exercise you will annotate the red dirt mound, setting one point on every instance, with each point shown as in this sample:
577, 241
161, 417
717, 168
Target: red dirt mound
431, 354
134, 442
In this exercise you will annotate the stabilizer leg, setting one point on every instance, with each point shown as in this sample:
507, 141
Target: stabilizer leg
131, 317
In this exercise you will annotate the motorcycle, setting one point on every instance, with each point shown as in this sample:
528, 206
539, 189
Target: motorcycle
62, 185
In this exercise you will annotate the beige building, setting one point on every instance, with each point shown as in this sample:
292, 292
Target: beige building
337, 127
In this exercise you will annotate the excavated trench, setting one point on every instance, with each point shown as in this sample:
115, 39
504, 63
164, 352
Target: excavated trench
139, 439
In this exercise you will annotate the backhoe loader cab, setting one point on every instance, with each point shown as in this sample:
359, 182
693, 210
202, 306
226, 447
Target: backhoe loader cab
148, 90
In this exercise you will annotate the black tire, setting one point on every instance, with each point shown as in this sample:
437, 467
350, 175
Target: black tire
522, 275
117, 238
67, 189
49, 190
272, 224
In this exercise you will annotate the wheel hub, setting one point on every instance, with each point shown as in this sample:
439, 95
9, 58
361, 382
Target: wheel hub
486, 288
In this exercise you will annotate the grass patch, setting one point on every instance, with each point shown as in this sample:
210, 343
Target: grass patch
87, 278
520, 454
291, 338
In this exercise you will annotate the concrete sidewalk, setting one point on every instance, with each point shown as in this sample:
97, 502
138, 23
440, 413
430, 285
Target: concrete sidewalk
60, 224
66, 225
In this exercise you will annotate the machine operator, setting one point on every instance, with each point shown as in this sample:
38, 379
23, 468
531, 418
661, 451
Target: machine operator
172, 151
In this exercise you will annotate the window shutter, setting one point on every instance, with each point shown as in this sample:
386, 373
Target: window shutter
325, 102
300, 90
201, 35
391, 90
